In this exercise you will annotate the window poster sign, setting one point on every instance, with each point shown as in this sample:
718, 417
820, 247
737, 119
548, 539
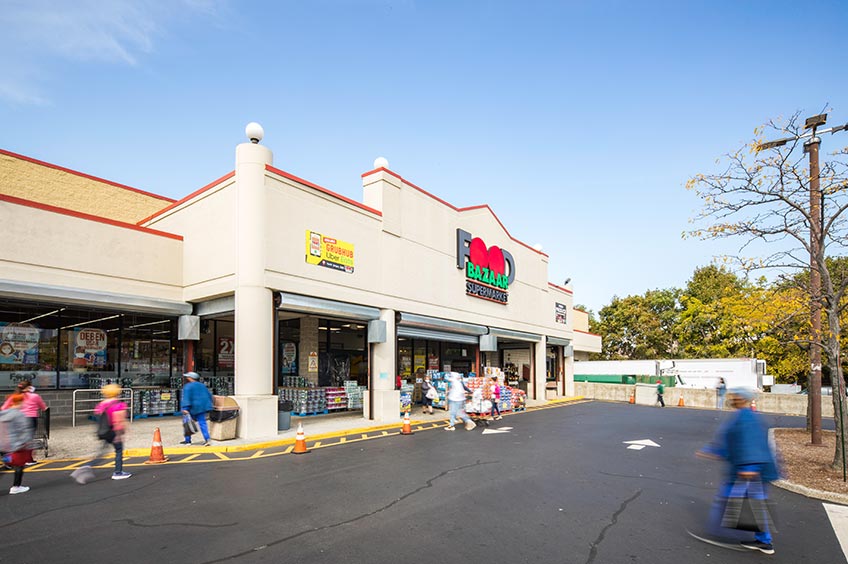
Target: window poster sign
288, 362
329, 252
19, 343
226, 352
313, 362
88, 349
488, 270
560, 313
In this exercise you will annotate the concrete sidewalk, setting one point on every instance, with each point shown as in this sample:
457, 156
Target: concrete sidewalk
67, 442
81, 441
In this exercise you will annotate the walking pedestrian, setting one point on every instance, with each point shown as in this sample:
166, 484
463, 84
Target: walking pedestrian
196, 403
721, 390
15, 439
495, 398
660, 392
456, 402
429, 394
742, 441
115, 412
32, 406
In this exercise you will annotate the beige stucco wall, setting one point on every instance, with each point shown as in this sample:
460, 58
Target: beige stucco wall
47, 185
207, 224
405, 259
43, 247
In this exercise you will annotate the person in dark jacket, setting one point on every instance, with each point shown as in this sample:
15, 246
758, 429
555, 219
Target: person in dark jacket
742, 441
196, 402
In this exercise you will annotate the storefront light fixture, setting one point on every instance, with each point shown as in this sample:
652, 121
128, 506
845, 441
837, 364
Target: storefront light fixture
254, 132
90, 322
54, 312
151, 323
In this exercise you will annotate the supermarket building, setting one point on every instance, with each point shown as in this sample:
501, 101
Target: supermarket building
261, 279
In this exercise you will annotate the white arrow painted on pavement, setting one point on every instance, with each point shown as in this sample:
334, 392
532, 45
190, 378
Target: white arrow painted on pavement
498, 430
640, 444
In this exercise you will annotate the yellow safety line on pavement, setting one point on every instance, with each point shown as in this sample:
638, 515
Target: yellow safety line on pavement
221, 453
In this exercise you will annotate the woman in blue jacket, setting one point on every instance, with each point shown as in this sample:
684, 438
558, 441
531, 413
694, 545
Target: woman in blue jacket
196, 402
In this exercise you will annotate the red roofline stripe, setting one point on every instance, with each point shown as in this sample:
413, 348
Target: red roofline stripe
285, 174
448, 204
189, 197
566, 290
86, 216
586, 332
83, 175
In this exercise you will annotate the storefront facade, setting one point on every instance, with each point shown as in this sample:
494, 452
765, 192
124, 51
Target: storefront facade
292, 283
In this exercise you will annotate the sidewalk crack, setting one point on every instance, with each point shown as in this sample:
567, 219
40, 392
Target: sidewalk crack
427, 484
595, 545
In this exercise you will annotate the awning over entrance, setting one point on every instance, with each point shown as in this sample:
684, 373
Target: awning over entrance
434, 328
558, 342
515, 335
90, 298
329, 308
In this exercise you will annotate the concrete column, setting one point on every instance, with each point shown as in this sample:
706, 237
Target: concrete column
254, 304
540, 353
569, 376
383, 371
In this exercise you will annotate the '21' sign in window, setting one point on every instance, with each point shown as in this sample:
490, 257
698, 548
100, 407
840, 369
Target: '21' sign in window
226, 352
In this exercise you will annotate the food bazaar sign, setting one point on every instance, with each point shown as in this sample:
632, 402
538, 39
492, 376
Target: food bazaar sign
488, 270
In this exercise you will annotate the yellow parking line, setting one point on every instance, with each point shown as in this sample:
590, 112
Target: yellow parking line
364, 435
257, 454
342, 440
189, 458
222, 456
317, 445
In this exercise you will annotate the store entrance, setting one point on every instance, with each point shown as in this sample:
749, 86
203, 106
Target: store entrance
416, 357
321, 364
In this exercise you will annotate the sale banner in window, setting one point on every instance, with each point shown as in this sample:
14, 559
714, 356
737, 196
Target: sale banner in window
226, 352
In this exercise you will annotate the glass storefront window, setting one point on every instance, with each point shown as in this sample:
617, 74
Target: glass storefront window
71, 347
88, 348
28, 345
404, 356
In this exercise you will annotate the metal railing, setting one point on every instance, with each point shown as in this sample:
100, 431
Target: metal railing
126, 393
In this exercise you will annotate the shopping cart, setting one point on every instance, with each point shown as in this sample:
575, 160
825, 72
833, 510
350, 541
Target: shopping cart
42, 433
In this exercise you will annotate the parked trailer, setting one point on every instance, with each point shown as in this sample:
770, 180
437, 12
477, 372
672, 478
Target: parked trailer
616, 371
687, 373
706, 372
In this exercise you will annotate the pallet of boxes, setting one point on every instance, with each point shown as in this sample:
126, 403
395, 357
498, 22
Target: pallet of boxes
223, 419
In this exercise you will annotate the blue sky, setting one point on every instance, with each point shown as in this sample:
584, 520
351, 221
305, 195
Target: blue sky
577, 122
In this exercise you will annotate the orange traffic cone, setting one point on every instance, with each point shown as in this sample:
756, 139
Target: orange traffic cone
407, 429
300, 441
680, 403
157, 454
633, 397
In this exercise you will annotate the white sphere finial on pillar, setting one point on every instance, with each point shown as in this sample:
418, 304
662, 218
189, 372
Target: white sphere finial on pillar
380, 162
254, 132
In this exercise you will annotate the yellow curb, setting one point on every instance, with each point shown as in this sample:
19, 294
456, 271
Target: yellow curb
268, 444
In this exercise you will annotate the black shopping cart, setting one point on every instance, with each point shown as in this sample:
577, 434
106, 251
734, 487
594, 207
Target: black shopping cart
42, 433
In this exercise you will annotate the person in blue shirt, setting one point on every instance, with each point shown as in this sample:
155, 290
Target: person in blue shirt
742, 441
196, 402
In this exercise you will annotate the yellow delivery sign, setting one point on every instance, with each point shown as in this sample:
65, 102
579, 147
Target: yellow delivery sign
329, 252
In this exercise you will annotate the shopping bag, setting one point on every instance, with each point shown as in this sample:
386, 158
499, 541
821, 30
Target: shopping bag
189, 425
432, 393
745, 508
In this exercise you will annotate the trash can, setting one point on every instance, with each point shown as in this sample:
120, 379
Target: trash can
223, 418
284, 409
